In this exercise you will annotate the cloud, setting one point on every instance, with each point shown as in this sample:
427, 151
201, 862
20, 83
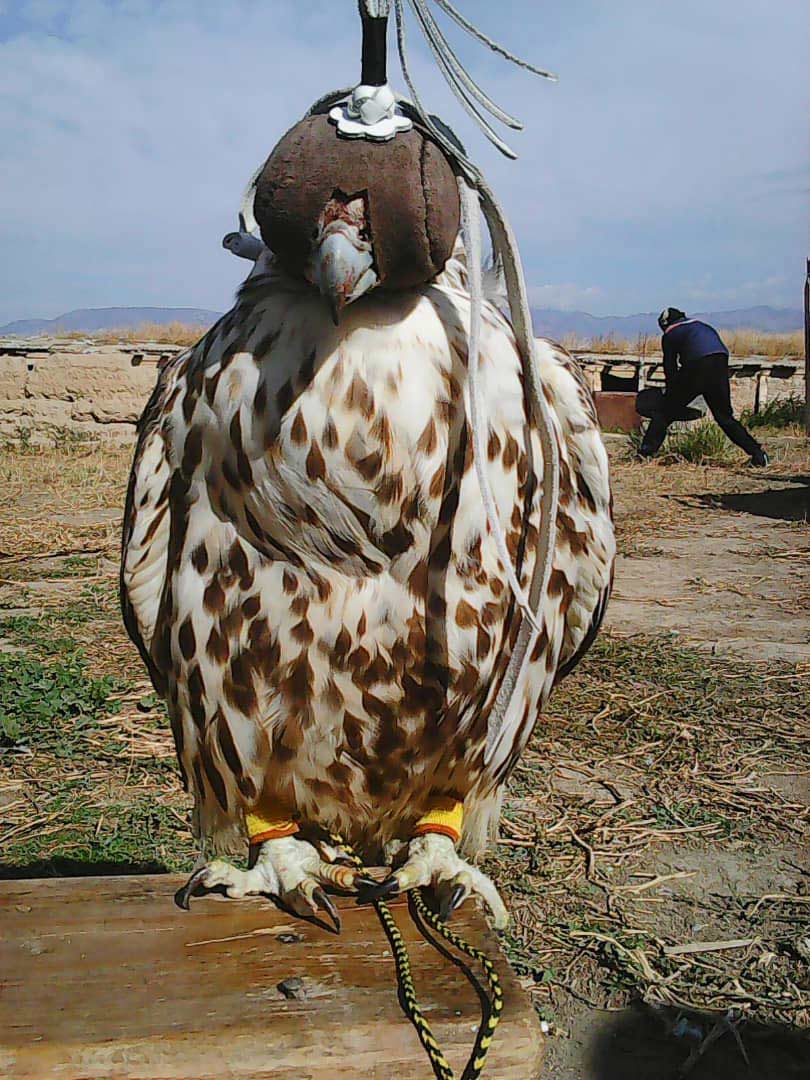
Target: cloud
126, 140
567, 296
768, 290
128, 129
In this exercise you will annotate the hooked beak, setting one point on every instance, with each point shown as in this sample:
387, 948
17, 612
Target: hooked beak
342, 271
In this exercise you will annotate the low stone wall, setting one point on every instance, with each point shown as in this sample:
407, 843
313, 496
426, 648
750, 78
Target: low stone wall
95, 391
753, 378
52, 388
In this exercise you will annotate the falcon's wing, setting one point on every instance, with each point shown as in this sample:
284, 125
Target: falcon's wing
585, 516
573, 661
146, 524
586, 504
579, 586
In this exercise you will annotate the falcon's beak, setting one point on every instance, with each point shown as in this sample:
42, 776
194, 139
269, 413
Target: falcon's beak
342, 266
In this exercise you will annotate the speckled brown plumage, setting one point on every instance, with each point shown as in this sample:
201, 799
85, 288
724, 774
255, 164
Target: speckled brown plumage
306, 567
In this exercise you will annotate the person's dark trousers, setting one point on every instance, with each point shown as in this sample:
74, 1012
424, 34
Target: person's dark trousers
707, 376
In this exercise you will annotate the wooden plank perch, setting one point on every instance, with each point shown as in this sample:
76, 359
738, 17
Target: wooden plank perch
105, 977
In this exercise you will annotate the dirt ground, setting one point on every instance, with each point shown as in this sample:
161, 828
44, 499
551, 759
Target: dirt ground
718, 556
654, 841
715, 558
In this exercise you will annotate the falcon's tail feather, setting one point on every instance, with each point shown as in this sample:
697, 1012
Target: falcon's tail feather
481, 815
494, 282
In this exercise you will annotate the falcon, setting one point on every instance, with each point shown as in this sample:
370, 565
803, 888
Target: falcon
311, 581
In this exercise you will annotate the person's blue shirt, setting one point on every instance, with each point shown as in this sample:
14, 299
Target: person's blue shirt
687, 340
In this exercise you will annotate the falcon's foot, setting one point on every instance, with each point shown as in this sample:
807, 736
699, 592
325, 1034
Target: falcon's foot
432, 860
287, 868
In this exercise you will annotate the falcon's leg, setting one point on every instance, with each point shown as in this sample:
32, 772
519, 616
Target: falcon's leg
430, 858
284, 867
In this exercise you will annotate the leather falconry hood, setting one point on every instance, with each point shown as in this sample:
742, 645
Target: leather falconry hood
369, 148
410, 188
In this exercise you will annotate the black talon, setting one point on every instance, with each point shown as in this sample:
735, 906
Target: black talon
364, 882
183, 896
452, 902
325, 904
384, 890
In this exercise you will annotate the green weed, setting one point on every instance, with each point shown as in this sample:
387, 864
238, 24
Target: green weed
36, 633
782, 412
47, 706
702, 443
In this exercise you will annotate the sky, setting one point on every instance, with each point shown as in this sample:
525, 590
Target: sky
669, 165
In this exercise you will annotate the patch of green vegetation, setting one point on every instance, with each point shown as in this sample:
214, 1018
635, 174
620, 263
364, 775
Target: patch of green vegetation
782, 412
21, 441
702, 443
88, 606
47, 707
67, 439
35, 633
698, 443
44, 635
690, 815
74, 566
98, 835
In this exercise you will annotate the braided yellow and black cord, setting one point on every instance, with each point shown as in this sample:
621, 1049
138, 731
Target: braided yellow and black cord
484, 1040
407, 990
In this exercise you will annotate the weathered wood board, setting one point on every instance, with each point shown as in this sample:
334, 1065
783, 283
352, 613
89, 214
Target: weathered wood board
105, 977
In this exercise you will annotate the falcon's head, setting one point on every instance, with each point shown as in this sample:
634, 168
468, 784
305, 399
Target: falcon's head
341, 262
350, 215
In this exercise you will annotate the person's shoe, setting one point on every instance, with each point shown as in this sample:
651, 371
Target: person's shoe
760, 460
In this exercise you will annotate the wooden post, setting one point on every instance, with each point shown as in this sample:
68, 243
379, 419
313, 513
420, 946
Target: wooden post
761, 390
105, 977
594, 377
642, 372
807, 349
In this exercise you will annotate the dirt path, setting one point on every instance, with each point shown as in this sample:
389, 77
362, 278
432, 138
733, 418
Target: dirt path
661, 802
723, 560
718, 558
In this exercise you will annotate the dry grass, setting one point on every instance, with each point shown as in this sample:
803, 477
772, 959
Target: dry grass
655, 756
174, 333
757, 343
64, 499
612, 345
739, 343
660, 498
651, 753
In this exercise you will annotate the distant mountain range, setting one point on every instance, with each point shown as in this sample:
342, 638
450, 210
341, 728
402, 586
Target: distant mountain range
548, 322
558, 324
88, 320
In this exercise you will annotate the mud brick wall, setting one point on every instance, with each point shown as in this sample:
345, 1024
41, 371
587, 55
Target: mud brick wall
95, 392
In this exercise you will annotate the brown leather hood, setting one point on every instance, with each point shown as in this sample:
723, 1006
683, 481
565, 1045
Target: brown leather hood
411, 191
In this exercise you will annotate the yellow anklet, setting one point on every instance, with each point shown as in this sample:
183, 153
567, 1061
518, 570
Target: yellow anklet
269, 820
444, 817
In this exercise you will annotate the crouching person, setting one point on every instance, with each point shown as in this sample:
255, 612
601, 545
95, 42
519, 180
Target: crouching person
695, 363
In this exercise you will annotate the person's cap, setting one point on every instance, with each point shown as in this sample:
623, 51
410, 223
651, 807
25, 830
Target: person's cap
669, 316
